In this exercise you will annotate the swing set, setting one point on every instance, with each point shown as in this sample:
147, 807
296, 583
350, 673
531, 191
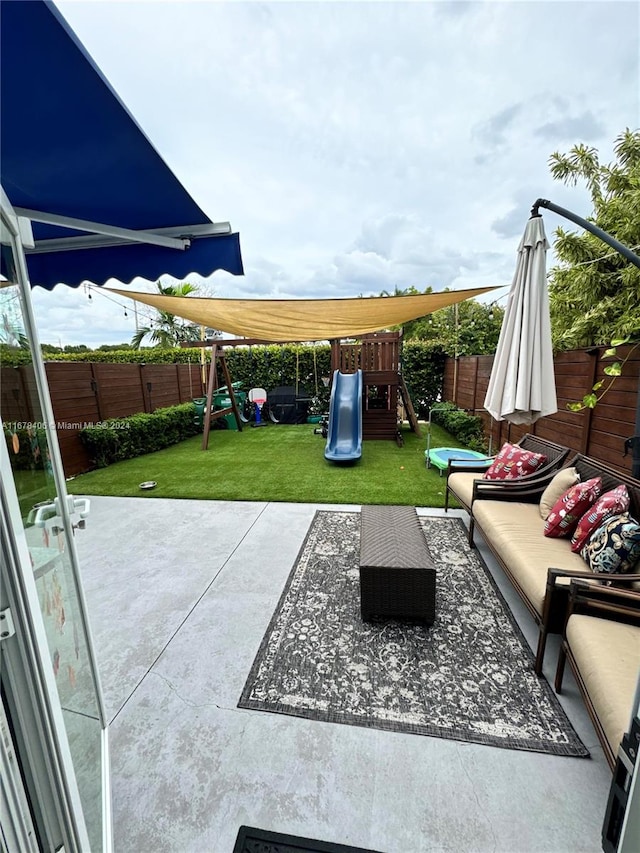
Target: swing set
257, 396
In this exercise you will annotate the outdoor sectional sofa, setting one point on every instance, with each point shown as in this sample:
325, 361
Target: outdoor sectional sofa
507, 515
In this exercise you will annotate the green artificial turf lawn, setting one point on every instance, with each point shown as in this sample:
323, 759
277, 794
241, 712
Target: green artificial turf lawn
278, 463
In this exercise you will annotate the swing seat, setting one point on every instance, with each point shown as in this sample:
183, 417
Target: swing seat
200, 403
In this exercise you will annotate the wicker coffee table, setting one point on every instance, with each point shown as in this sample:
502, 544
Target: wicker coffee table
397, 574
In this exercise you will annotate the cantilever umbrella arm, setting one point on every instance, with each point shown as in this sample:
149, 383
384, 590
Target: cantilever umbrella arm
588, 226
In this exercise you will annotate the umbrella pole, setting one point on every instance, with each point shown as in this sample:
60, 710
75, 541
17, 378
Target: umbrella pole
635, 441
455, 355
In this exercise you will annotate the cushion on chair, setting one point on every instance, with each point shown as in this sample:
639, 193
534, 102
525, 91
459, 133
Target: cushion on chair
610, 503
614, 546
513, 462
570, 508
607, 654
562, 481
460, 484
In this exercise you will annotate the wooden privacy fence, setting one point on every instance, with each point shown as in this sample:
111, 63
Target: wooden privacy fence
599, 432
85, 393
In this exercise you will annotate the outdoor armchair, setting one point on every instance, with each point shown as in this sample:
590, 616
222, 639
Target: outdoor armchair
601, 641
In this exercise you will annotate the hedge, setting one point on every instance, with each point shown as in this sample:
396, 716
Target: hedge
125, 438
31, 442
423, 372
468, 429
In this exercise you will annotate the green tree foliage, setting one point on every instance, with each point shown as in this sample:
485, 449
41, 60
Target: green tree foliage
468, 328
112, 347
595, 292
166, 330
53, 349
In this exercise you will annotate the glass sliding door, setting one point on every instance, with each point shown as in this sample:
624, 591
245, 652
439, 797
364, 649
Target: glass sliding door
43, 522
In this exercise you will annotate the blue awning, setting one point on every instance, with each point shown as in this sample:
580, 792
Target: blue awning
72, 154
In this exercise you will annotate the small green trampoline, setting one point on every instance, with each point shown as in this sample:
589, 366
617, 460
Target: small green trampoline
439, 457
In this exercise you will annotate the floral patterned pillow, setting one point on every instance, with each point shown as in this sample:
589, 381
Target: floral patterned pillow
614, 546
610, 503
569, 509
513, 462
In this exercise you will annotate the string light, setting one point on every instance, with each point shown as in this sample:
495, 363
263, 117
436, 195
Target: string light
601, 258
89, 287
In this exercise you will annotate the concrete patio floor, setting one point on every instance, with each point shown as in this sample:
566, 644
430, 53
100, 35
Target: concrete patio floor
180, 594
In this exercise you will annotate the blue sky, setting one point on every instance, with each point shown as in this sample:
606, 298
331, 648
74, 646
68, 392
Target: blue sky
359, 146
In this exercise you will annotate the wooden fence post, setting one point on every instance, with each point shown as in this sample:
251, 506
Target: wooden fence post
147, 389
25, 394
95, 387
178, 381
475, 382
587, 415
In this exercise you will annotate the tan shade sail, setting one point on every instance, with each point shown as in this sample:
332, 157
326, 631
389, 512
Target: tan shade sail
282, 320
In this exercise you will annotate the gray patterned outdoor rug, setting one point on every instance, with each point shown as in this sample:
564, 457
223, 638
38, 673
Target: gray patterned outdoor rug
251, 840
467, 677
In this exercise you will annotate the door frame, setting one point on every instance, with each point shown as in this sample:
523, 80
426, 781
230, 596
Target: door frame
27, 676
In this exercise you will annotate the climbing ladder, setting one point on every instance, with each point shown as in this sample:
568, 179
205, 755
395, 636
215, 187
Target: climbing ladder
408, 405
218, 358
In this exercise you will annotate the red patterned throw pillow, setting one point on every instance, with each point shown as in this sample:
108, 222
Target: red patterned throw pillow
610, 503
513, 462
569, 509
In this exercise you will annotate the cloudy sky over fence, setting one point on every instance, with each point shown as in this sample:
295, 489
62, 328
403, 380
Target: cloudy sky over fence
359, 147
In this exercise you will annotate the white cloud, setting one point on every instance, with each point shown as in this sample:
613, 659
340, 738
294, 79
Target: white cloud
357, 147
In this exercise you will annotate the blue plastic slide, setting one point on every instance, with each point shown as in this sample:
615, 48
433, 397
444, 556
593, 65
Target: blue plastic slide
344, 436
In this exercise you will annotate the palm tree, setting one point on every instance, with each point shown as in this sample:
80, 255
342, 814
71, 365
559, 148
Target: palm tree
166, 330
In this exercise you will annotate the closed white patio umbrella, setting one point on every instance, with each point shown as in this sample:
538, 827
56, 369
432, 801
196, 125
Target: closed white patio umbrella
522, 386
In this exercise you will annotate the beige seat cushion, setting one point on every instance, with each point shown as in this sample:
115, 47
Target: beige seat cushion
607, 654
515, 531
461, 484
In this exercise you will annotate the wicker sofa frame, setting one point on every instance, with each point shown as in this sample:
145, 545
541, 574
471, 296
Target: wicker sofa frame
552, 618
605, 603
556, 455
